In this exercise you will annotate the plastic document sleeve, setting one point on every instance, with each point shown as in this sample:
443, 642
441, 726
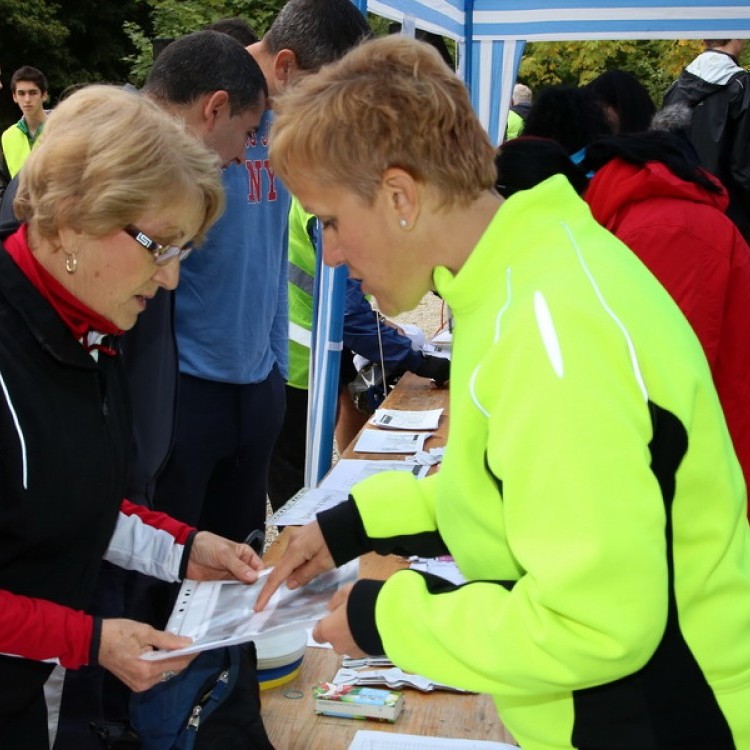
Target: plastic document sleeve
220, 613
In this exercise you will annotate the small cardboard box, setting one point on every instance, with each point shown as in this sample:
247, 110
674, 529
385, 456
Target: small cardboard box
357, 702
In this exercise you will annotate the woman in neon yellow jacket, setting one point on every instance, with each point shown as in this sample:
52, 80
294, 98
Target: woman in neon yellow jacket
589, 492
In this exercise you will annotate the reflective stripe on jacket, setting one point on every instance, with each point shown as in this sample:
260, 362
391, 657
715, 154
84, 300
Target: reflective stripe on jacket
301, 285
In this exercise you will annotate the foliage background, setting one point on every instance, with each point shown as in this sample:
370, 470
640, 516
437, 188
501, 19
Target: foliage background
84, 41
655, 63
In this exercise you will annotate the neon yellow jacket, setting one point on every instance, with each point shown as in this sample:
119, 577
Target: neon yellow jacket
589, 494
17, 144
515, 125
301, 286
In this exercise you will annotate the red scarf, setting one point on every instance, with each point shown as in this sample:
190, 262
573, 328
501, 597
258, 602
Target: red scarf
83, 322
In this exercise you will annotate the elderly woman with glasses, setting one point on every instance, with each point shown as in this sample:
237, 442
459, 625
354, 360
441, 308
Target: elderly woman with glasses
110, 202
589, 492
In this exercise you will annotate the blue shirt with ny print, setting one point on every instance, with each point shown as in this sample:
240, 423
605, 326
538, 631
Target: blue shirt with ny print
231, 304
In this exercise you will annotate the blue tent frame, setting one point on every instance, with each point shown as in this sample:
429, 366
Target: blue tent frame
491, 35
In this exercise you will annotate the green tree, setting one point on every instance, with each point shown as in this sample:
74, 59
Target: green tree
82, 42
655, 63
172, 18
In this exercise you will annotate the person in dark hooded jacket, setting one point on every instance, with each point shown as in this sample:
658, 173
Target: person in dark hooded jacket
718, 91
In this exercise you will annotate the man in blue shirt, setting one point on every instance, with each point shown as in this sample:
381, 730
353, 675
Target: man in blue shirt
231, 307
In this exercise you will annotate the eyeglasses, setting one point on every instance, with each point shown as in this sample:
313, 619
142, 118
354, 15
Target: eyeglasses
162, 253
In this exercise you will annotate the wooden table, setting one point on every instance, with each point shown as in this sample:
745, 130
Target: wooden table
290, 720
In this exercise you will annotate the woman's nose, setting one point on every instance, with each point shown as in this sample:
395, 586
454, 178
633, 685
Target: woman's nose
168, 275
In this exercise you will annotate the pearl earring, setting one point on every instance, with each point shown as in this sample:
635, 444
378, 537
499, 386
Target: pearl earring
71, 263
403, 223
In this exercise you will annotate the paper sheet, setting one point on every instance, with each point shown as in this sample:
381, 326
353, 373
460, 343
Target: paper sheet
401, 419
369, 740
386, 441
440, 345
302, 507
444, 567
348, 471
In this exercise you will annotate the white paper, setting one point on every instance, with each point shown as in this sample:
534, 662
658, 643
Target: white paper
401, 419
393, 678
220, 613
440, 345
302, 507
444, 567
444, 338
366, 739
348, 471
386, 441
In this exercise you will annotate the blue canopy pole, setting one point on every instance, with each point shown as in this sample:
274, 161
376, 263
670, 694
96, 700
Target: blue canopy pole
325, 363
468, 67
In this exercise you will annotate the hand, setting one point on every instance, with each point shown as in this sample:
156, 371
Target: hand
434, 368
305, 557
123, 642
334, 628
214, 558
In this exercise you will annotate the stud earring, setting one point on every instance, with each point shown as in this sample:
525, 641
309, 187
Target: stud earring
403, 223
71, 263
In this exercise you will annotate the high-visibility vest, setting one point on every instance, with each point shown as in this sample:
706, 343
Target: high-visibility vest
301, 285
17, 144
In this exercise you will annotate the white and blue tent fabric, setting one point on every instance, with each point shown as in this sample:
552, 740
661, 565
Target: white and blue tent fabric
490, 37
491, 34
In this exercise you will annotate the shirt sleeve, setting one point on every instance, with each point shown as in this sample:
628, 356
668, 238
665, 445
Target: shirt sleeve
739, 159
44, 631
361, 325
397, 525
150, 542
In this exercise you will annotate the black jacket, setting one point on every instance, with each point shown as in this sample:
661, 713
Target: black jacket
149, 353
60, 410
718, 91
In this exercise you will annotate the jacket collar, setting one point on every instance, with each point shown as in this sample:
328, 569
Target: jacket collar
44, 323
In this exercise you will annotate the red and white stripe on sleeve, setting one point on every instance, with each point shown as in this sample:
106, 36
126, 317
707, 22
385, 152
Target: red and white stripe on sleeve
149, 542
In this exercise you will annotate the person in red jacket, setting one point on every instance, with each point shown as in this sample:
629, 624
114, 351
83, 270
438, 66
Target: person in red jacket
672, 214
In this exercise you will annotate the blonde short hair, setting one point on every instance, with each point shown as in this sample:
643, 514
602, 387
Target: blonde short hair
390, 102
107, 156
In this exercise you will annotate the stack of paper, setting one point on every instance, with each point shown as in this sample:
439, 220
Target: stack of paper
368, 740
400, 419
386, 441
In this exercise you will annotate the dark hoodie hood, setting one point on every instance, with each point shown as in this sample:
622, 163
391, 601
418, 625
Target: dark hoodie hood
618, 185
709, 72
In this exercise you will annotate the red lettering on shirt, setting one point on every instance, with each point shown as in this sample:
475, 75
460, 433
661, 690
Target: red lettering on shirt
260, 188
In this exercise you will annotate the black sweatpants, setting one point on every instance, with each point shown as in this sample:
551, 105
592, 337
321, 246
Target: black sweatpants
217, 474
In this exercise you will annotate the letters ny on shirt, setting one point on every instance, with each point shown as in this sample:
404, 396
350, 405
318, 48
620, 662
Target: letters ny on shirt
261, 180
